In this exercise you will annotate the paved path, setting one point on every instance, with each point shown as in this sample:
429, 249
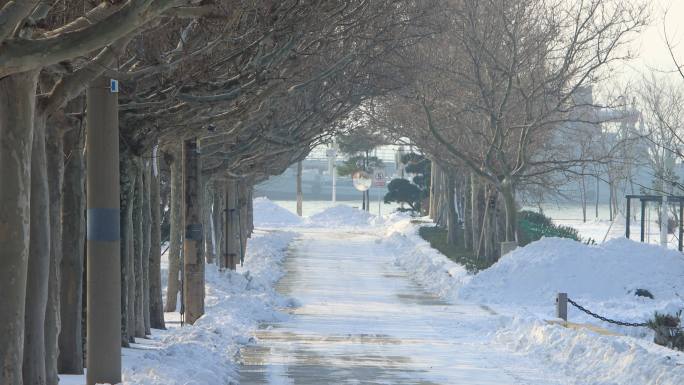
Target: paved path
361, 320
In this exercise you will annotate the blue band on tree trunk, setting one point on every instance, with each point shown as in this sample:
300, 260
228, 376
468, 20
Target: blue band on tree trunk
103, 225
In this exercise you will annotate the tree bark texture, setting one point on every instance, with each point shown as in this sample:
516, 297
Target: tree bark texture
232, 231
243, 196
217, 217
17, 113
453, 225
72, 244
176, 233
127, 182
156, 304
146, 246
208, 225
193, 247
55, 164
39, 262
138, 252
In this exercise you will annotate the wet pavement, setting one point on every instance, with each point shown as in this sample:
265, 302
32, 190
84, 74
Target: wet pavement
361, 320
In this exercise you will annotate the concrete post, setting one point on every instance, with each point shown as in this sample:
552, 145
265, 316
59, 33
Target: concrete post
507, 247
103, 236
562, 306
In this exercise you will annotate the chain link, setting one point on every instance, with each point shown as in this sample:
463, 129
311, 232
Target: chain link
612, 321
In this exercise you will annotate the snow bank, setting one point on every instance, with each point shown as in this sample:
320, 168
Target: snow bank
205, 353
532, 275
341, 216
522, 286
268, 214
426, 265
593, 358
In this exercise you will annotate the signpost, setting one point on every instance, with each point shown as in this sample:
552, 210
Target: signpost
331, 154
379, 178
379, 181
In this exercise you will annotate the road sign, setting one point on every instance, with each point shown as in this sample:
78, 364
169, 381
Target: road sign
362, 181
379, 178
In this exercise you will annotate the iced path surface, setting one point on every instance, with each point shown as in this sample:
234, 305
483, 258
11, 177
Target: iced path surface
361, 320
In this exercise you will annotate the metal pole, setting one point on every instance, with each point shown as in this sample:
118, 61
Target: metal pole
300, 194
629, 200
334, 181
643, 223
681, 230
103, 236
379, 203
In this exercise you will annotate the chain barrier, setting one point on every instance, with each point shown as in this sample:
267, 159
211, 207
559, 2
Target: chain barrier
612, 321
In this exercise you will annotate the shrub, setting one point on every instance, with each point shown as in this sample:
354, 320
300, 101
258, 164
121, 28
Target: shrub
643, 293
667, 330
533, 226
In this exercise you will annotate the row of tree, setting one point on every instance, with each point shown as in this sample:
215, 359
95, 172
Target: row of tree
208, 99
493, 99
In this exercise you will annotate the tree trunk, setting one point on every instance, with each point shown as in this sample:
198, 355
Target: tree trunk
475, 212
193, 247
217, 219
597, 195
468, 214
583, 194
453, 226
127, 182
146, 246
138, 250
17, 113
207, 207
433, 177
55, 164
508, 194
156, 305
175, 233
243, 193
250, 209
300, 195
38, 263
232, 239
73, 238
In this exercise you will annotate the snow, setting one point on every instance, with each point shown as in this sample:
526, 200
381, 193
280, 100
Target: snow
269, 214
235, 302
517, 295
522, 286
611, 271
341, 216
206, 352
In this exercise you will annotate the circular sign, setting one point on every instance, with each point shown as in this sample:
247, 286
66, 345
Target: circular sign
362, 181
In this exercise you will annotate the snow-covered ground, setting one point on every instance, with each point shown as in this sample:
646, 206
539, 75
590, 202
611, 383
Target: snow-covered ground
518, 292
204, 353
522, 287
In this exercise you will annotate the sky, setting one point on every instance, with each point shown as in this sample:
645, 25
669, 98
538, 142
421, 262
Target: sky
650, 45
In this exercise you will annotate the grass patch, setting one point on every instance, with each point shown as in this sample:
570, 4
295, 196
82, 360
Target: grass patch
437, 238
